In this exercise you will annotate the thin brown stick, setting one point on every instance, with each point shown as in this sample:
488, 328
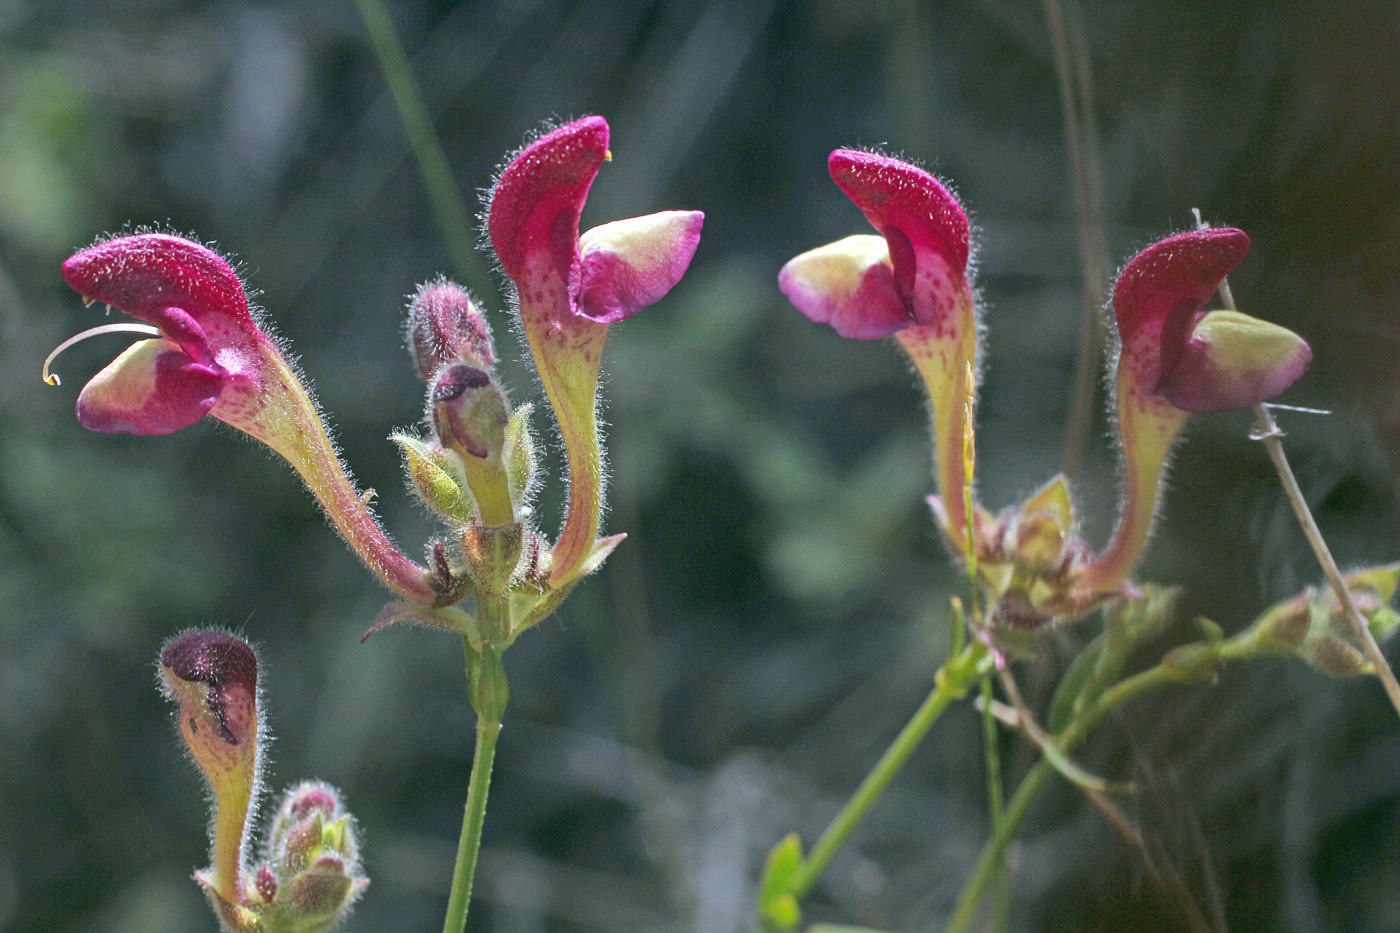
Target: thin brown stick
1018, 717
1268, 432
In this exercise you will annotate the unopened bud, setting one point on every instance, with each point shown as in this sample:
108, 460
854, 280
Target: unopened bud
445, 326
469, 417
313, 860
213, 677
1287, 625
519, 455
438, 477
469, 412
1333, 655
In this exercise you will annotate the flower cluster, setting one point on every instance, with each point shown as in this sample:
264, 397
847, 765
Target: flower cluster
206, 352
310, 873
1175, 359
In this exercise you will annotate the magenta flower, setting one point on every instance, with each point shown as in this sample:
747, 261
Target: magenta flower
207, 355
911, 281
1177, 359
570, 288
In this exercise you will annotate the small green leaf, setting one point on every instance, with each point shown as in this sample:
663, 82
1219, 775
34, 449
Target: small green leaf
780, 869
782, 914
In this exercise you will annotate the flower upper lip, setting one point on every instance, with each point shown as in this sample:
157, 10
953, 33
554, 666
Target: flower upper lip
209, 356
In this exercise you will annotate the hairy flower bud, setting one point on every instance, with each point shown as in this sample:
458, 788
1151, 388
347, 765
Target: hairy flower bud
445, 326
312, 868
469, 416
438, 477
213, 678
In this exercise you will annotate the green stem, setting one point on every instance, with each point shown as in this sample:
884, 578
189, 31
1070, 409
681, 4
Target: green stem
486, 678
996, 805
469, 844
1035, 779
444, 197
952, 682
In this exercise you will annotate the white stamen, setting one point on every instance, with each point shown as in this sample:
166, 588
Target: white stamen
52, 378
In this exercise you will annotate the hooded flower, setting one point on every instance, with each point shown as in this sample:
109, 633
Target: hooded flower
1177, 359
570, 288
911, 281
207, 355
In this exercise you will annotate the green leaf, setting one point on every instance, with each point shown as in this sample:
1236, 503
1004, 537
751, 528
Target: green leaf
780, 869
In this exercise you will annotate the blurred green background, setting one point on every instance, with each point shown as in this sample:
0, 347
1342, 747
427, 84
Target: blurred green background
781, 602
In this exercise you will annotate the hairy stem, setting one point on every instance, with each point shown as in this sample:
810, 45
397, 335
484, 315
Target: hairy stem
1034, 781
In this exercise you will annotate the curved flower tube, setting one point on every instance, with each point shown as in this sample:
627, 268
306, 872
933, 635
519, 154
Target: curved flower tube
207, 355
570, 288
912, 281
1176, 359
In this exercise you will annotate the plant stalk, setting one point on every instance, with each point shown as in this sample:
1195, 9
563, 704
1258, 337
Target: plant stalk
1269, 434
1031, 785
952, 682
469, 844
449, 209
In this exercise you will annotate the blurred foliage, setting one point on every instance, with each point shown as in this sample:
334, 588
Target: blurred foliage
780, 604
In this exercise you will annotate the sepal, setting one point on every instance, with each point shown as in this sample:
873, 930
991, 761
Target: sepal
446, 618
438, 478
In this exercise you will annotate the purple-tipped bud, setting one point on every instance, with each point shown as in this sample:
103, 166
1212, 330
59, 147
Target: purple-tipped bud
213, 677
469, 412
470, 418
445, 326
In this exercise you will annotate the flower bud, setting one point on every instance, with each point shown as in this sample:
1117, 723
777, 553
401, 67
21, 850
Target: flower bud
519, 456
312, 870
469, 416
1313, 625
213, 678
1335, 656
438, 477
469, 412
445, 326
